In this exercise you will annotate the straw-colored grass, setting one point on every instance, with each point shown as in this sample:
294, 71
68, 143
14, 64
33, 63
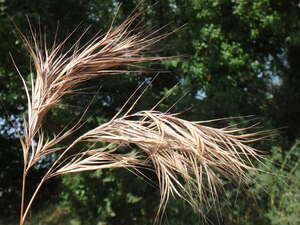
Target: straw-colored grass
187, 157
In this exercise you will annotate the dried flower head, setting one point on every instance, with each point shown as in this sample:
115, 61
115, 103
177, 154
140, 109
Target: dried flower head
187, 157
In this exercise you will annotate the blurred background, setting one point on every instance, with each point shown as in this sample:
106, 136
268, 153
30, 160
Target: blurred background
240, 58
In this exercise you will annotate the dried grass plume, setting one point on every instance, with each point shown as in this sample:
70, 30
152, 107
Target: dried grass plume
187, 157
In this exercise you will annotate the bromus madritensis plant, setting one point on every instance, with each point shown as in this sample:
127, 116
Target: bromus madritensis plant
187, 157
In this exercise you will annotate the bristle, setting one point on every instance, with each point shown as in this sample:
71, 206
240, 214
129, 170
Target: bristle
59, 73
187, 157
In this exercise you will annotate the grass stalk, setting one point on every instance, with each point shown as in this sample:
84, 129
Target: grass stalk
23, 194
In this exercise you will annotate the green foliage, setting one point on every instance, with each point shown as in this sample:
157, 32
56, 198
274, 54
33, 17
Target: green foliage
109, 197
283, 185
272, 197
9, 193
